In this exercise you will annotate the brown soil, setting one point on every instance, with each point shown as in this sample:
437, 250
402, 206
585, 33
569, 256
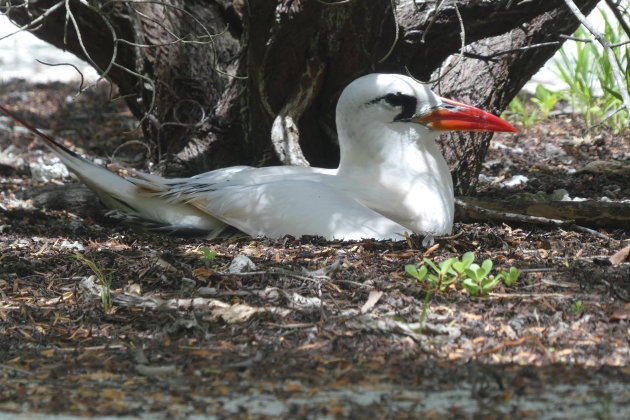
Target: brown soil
317, 329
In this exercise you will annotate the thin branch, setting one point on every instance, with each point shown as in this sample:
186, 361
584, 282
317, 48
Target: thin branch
334, 3
460, 55
527, 47
396, 35
525, 218
590, 41
435, 15
66, 64
608, 116
34, 22
614, 8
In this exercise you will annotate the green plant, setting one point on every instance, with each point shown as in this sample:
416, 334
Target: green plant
104, 280
588, 69
511, 276
454, 272
545, 100
518, 111
208, 255
479, 282
577, 307
461, 273
420, 275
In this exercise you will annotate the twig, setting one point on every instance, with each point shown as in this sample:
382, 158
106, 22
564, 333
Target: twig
614, 65
607, 116
460, 55
527, 47
25, 372
66, 64
435, 15
590, 41
334, 3
523, 218
396, 34
619, 16
35, 21
518, 342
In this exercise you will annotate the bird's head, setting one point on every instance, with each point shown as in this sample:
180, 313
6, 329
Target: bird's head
399, 103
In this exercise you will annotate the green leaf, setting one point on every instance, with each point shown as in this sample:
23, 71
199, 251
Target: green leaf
471, 287
445, 265
511, 276
208, 255
612, 92
413, 271
473, 272
461, 266
431, 264
487, 266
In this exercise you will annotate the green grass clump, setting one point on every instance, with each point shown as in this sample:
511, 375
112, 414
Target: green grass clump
103, 279
592, 91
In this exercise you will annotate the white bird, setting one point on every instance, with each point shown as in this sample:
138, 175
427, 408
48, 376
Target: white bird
391, 180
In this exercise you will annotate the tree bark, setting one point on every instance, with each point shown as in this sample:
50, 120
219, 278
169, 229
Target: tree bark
208, 102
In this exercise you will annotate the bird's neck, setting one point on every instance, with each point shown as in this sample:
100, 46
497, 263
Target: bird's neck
406, 153
403, 176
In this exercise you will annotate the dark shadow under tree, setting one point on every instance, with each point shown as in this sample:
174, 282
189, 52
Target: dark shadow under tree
231, 82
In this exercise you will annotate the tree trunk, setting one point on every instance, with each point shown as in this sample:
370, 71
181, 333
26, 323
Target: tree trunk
256, 82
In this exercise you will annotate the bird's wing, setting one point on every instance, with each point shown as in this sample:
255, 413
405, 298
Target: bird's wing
292, 207
221, 178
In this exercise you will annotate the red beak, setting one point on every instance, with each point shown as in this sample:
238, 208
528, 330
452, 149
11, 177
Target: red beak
456, 116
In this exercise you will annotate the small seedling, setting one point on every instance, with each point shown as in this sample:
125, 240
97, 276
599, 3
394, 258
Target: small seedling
545, 100
460, 266
458, 273
510, 277
462, 273
518, 112
420, 275
578, 307
105, 280
479, 281
208, 254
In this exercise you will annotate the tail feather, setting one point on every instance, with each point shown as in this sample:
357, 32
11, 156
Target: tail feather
94, 176
122, 194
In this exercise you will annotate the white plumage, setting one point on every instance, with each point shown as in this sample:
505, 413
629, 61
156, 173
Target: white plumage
391, 178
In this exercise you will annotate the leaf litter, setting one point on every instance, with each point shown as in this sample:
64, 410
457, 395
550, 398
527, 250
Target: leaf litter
304, 328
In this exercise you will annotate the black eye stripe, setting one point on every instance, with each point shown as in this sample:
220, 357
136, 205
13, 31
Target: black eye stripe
408, 104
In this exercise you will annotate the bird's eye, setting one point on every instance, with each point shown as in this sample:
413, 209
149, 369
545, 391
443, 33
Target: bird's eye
408, 104
396, 99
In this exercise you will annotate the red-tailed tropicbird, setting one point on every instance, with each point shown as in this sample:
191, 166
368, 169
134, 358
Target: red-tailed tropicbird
391, 177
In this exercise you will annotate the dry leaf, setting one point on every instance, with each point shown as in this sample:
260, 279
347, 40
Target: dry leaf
620, 256
373, 298
621, 314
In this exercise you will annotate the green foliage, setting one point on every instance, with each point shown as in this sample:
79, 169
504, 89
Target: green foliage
479, 281
511, 276
519, 111
105, 280
208, 255
577, 307
537, 108
458, 273
461, 273
590, 67
584, 71
545, 100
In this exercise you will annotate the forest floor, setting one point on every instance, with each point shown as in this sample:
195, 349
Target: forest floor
312, 329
